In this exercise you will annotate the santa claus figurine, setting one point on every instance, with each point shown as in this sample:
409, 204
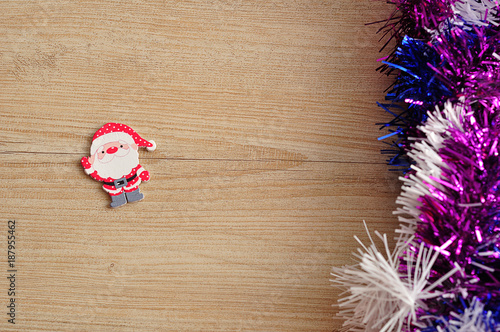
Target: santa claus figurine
114, 160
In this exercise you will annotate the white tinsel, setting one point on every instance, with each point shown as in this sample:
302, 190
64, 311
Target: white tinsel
468, 13
378, 297
428, 165
478, 13
473, 319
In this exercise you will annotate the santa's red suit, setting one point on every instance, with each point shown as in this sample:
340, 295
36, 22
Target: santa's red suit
134, 178
114, 161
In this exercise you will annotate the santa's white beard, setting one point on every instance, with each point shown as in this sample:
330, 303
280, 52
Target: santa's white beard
115, 166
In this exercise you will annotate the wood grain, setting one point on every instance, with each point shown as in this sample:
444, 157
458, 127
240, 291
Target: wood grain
267, 161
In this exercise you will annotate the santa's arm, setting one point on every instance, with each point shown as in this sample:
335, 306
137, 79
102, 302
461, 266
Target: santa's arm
143, 174
87, 167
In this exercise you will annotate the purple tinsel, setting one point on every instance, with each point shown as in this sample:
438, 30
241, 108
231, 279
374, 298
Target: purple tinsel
471, 69
464, 217
447, 56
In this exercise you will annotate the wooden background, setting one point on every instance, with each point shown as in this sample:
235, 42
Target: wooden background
267, 161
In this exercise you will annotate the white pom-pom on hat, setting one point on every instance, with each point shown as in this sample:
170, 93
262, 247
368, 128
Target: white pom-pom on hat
152, 147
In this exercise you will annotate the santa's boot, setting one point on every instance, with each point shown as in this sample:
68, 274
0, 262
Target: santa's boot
118, 200
134, 196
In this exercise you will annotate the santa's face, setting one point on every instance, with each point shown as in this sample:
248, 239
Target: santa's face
115, 159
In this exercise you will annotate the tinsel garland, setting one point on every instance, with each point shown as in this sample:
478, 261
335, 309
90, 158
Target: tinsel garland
444, 272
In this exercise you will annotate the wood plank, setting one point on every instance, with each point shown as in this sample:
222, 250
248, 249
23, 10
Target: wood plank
267, 161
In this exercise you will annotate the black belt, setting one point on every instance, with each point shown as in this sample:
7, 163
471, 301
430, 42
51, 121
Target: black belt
120, 182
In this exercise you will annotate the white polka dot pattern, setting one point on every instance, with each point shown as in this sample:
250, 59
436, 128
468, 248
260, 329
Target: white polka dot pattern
120, 130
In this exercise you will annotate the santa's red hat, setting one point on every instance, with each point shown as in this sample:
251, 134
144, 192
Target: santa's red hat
112, 132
